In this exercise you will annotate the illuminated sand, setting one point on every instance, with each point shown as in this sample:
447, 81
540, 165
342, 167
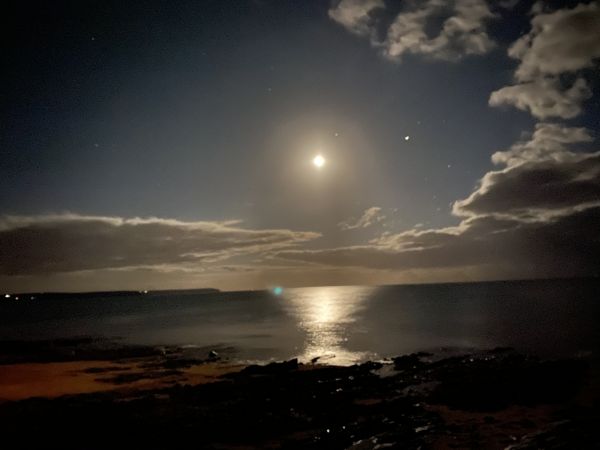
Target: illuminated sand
21, 381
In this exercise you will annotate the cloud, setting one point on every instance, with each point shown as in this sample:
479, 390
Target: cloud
562, 246
559, 44
369, 217
544, 97
63, 243
508, 4
356, 15
537, 216
542, 177
460, 27
566, 40
548, 141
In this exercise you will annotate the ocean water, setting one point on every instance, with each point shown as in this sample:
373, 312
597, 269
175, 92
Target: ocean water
342, 325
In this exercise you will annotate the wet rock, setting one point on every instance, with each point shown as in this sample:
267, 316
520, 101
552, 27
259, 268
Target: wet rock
412, 361
493, 384
501, 350
270, 369
565, 434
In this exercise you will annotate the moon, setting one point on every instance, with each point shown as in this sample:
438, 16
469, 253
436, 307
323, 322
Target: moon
318, 161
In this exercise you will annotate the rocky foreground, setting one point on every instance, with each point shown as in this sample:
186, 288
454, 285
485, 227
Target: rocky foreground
496, 399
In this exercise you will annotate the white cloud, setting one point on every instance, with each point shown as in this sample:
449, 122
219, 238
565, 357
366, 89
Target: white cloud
544, 97
369, 217
563, 41
355, 15
560, 42
548, 141
461, 32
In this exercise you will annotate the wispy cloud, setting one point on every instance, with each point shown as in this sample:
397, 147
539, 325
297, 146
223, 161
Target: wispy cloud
369, 217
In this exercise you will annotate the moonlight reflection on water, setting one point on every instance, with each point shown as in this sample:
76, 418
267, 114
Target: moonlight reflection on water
327, 315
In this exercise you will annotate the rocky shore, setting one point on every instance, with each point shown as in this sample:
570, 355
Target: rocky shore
495, 399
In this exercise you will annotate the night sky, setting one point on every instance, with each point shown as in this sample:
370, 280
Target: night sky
149, 145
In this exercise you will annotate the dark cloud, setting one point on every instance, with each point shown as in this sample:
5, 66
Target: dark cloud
63, 243
542, 177
537, 187
560, 246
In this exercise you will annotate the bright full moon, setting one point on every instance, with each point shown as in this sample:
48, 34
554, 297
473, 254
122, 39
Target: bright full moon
318, 161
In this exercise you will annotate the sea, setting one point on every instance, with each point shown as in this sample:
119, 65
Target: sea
336, 324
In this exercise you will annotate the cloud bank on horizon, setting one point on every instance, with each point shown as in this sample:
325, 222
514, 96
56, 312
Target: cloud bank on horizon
536, 214
38, 245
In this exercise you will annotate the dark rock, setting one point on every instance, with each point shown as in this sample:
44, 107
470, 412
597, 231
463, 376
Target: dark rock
412, 361
493, 384
270, 369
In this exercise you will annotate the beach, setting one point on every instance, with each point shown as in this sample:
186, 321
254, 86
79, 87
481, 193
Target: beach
158, 397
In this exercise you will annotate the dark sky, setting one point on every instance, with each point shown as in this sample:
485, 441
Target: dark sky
155, 144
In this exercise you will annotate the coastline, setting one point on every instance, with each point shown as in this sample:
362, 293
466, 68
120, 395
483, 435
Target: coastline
492, 399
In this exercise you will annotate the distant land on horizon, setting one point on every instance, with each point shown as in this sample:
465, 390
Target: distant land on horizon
196, 291
119, 293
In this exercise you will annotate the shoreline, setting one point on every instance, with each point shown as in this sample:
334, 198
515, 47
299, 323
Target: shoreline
490, 399
82, 365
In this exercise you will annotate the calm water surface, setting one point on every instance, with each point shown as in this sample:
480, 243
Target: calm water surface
340, 324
